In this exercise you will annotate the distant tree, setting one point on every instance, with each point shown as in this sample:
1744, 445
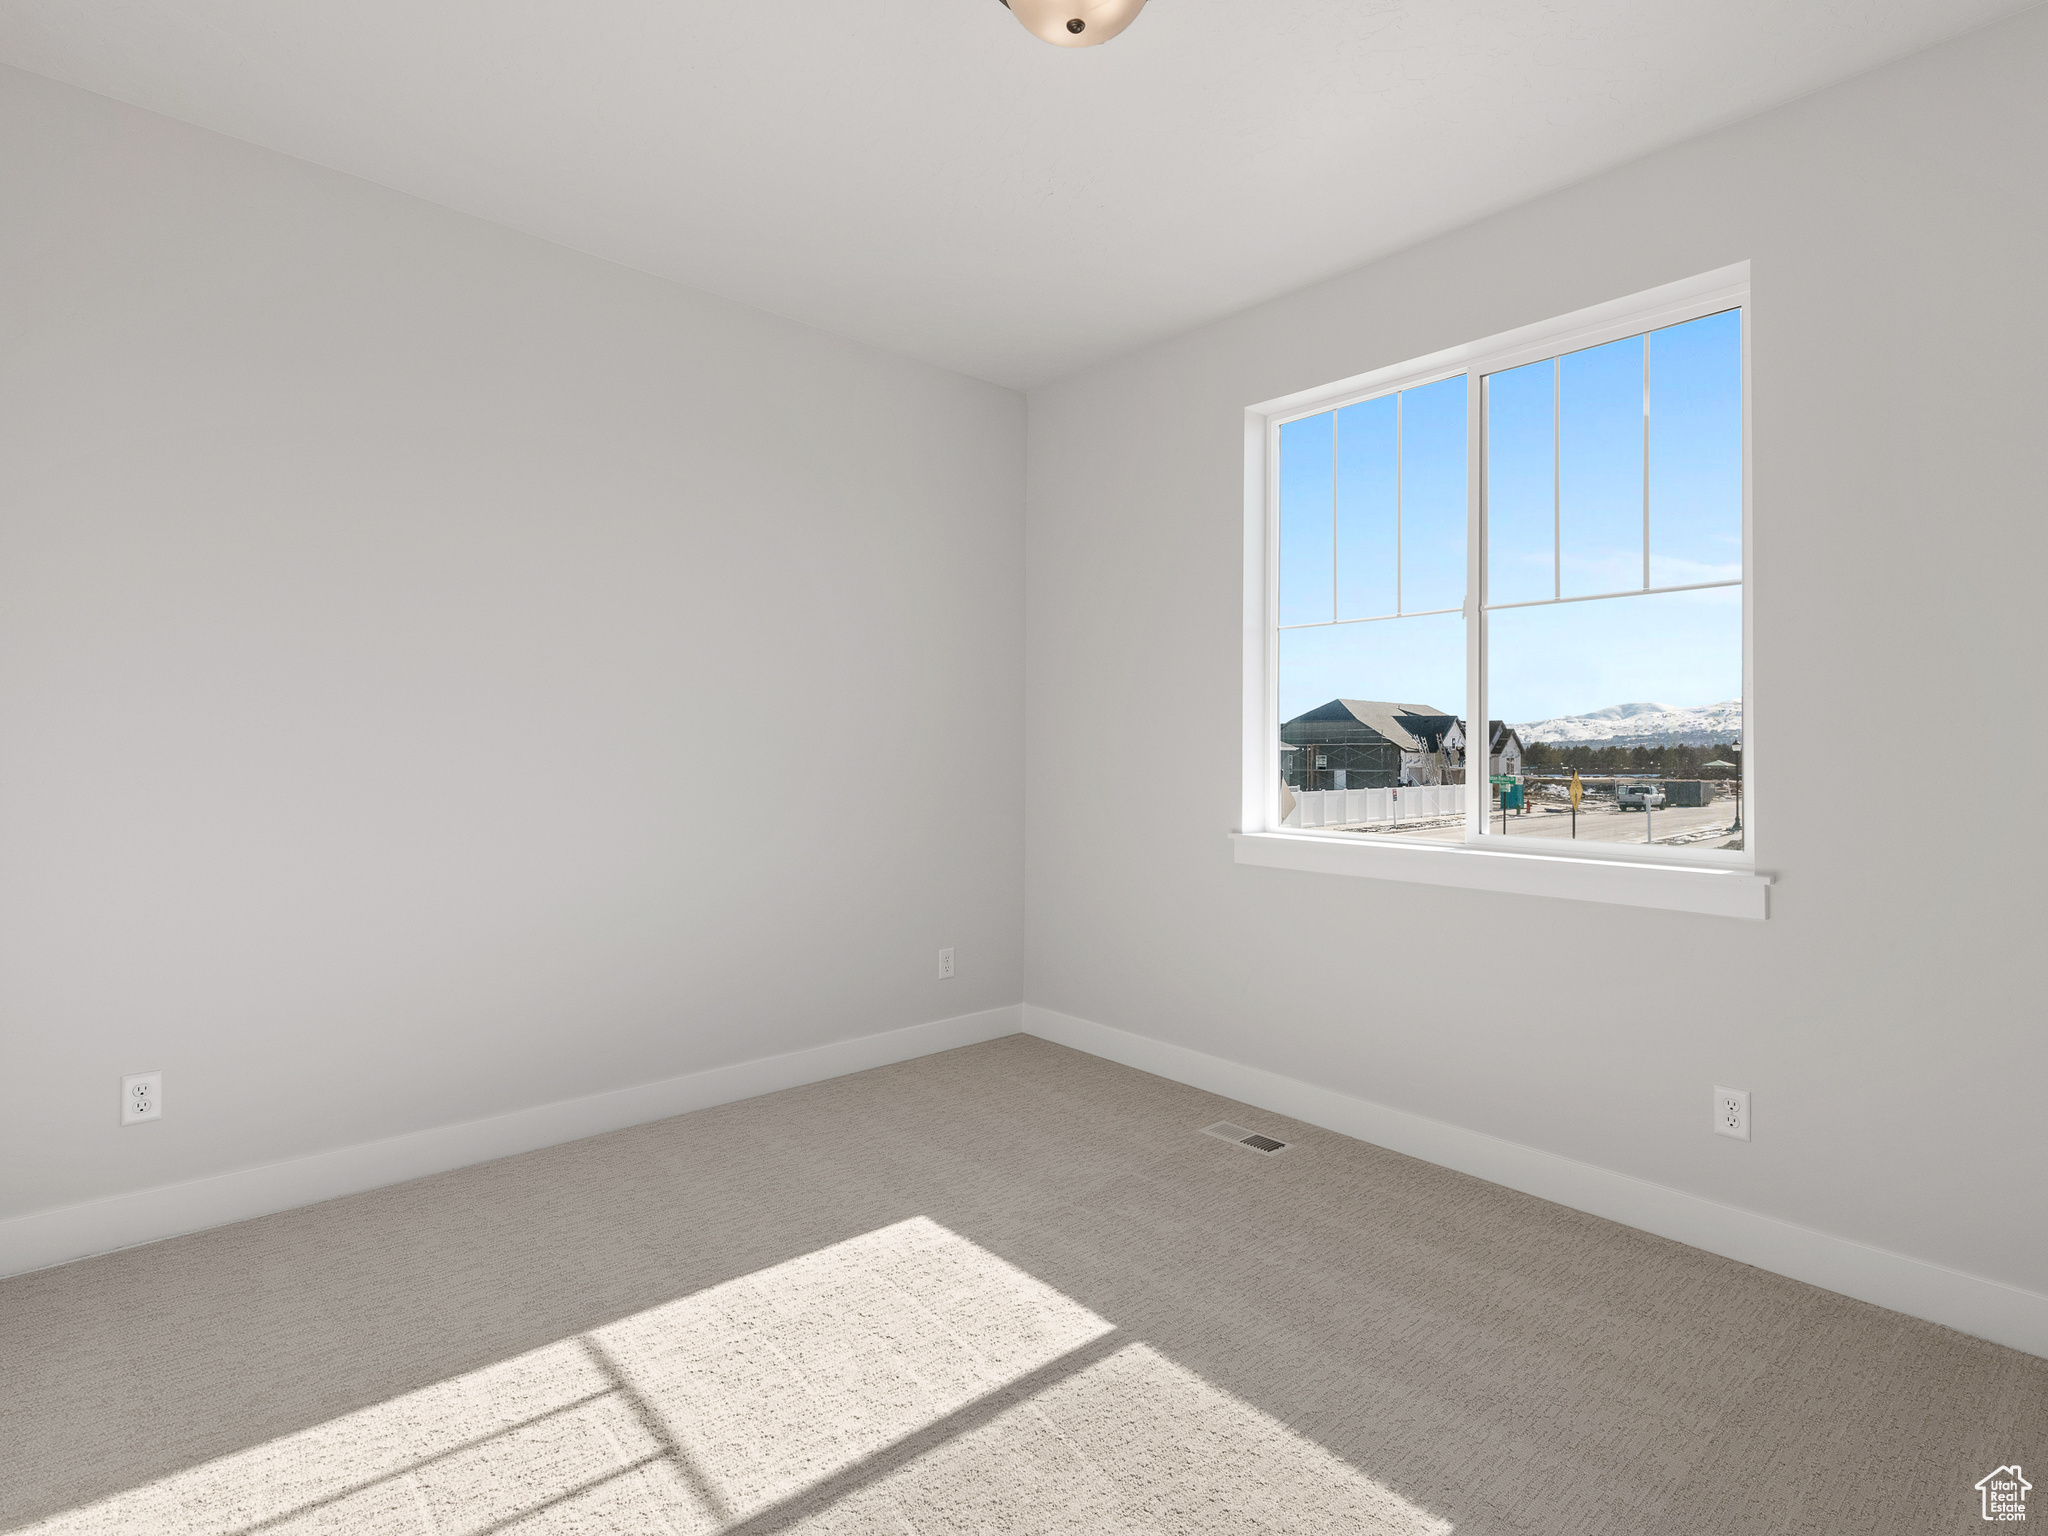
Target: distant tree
1672, 762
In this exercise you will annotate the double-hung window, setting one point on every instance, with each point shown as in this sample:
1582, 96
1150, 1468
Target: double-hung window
1497, 606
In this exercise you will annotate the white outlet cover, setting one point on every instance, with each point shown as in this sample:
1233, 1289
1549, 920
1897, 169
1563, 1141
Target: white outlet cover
1731, 1112
945, 964
142, 1098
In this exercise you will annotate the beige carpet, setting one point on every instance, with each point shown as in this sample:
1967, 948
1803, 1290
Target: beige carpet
1010, 1289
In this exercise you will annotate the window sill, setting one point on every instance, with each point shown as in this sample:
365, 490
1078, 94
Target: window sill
1674, 887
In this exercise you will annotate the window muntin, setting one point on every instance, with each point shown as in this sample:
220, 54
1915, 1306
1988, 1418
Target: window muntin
1608, 513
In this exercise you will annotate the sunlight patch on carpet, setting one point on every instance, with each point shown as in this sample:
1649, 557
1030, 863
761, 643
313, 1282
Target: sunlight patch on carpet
905, 1379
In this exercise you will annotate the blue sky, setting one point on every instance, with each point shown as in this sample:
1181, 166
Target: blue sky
1566, 457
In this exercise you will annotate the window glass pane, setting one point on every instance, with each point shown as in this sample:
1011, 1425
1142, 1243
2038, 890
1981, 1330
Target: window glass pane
1365, 508
1521, 443
1305, 521
1433, 510
1696, 451
1643, 695
1600, 468
1367, 717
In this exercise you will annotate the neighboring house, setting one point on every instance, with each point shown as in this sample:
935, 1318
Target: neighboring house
1505, 753
1368, 744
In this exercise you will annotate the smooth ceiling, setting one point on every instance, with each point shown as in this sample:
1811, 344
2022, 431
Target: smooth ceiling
926, 176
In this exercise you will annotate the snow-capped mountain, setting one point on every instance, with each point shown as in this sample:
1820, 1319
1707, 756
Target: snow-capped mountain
1643, 725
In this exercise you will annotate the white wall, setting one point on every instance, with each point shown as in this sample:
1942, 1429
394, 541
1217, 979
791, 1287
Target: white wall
444, 673
1888, 1017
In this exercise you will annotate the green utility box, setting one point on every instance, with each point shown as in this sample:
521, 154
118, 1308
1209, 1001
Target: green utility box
1511, 796
1694, 792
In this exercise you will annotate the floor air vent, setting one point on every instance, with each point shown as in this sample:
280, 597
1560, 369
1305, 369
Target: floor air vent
1264, 1145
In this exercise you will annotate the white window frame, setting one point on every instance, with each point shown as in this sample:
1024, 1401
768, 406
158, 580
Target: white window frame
1711, 880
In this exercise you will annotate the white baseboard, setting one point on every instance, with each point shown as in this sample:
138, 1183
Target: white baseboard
1989, 1309
43, 1238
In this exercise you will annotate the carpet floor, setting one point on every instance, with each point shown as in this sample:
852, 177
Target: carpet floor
1009, 1288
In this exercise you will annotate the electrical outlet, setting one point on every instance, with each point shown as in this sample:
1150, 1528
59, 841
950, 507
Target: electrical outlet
142, 1098
1731, 1113
945, 964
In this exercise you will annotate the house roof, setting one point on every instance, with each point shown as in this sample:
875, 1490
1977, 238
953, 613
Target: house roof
1411, 727
1429, 729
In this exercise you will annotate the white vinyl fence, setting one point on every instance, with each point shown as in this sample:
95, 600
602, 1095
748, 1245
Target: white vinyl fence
1348, 807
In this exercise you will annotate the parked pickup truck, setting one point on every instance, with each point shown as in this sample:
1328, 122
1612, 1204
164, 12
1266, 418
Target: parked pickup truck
1638, 797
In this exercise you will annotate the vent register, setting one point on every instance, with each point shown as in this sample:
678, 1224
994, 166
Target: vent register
1265, 1146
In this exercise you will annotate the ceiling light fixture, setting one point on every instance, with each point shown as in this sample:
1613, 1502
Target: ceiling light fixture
1075, 23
